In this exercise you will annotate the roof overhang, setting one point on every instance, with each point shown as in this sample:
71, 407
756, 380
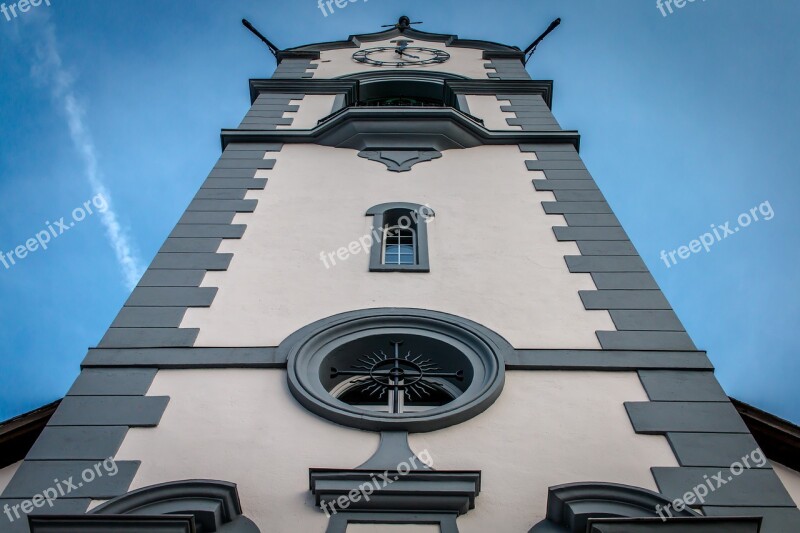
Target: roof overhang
399, 128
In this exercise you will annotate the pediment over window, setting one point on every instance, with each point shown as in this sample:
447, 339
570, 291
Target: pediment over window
175, 507
614, 508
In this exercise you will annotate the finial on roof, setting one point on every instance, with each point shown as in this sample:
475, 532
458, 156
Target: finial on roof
403, 24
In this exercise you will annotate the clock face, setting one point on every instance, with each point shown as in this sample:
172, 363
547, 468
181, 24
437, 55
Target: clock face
400, 56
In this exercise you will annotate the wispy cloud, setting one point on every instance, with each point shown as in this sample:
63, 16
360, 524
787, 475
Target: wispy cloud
49, 67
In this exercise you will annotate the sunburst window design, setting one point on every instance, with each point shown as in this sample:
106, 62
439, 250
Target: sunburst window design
396, 383
395, 369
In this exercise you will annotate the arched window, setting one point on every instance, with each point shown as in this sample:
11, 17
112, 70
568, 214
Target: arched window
399, 245
400, 237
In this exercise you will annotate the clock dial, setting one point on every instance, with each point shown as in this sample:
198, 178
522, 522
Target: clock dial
400, 56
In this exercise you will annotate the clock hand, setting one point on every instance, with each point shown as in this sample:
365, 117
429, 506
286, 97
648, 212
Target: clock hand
405, 54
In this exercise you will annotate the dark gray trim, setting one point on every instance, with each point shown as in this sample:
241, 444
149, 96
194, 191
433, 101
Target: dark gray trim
199, 217
555, 164
607, 248
567, 195
415, 491
776, 519
365, 128
221, 231
60, 506
112, 524
400, 160
750, 524
507, 69
148, 337
584, 235
571, 506
345, 89
172, 296
538, 92
355, 41
191, 261
393, 451
420, 216
625, 280
628, 299
551, 149
149, 317
606, 360
171, 358
117, 382
191, 244
176, 494
654, 418
76, 443
131, 411
667, 386
751, 488
339, 102
270, 357
267, 112
577, 208
645, 340
592, 220
194, 505
294, 69
237, 206
719, 450
596, 264
645, 320
172, 278
33, 477
304, 355
339, 522
226, 183
222, 193
462, 104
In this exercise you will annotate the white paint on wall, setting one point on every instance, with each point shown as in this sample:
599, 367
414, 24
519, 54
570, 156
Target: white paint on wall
466, 62
494, 258
244, 426
312, 108
487, 108
6, 474
547, 429
790, 479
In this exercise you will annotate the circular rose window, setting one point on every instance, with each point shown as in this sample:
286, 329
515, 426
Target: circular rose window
395, 369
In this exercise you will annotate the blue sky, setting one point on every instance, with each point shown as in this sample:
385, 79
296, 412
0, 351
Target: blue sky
687, 120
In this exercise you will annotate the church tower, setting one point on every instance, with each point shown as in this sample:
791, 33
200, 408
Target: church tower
398, 303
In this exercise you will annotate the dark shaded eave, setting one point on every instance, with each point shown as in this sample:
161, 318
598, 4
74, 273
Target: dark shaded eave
779, 439
18, 434
491, 49
391, 128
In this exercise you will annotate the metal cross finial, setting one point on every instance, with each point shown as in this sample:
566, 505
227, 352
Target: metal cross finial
403, 24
